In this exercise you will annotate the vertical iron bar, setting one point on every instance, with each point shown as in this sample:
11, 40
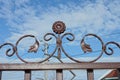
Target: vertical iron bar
27, 75
59, 74
90, 74
0, 75
118, 71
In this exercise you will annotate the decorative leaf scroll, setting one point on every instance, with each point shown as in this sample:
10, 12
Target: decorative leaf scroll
34, 47
59, 29
85, 47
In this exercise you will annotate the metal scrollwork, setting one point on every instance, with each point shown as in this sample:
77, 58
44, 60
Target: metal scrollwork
8, 50
86, 47
109, 48
33, 48
66, 34
59, 35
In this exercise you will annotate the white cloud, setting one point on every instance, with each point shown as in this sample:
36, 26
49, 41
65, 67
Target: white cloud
90, 18
98, 17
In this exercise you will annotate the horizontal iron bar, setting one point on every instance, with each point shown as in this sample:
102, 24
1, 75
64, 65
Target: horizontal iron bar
55, 66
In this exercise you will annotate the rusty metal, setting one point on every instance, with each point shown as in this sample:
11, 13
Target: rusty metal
8, 50
59, 74
73, 74
56, 66
0, 75
118, 73
85, 47
34, 47
59, 34
59, 29
27, 75
111, 49
90, 74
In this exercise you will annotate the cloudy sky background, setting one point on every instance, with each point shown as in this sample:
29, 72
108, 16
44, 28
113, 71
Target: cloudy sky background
20, 17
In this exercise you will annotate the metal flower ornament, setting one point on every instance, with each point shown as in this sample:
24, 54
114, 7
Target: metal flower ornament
34, 47
59, 29
85, 47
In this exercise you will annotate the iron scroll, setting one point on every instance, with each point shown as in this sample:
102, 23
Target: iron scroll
59, 33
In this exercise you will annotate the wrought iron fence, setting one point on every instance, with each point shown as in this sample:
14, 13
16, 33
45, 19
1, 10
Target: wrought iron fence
59, 29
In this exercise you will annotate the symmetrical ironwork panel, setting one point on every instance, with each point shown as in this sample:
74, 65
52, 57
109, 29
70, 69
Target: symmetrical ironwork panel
58, 29
59, 34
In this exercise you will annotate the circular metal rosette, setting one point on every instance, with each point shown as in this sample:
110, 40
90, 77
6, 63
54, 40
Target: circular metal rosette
31, 50
59, 27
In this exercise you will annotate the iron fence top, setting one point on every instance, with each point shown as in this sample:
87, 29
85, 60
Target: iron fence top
59, 33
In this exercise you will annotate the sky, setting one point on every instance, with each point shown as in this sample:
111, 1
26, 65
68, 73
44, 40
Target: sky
36, 17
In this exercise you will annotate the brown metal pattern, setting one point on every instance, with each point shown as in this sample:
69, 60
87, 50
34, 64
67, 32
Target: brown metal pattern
85, 47
27, 75
34, 47
90, 74
111, 49
8, 50
59, 74
118, 73
59, 29
0, 75
57, 57
56, 66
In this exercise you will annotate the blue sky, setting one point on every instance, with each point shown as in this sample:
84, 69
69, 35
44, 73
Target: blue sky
20, 17
81, 17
